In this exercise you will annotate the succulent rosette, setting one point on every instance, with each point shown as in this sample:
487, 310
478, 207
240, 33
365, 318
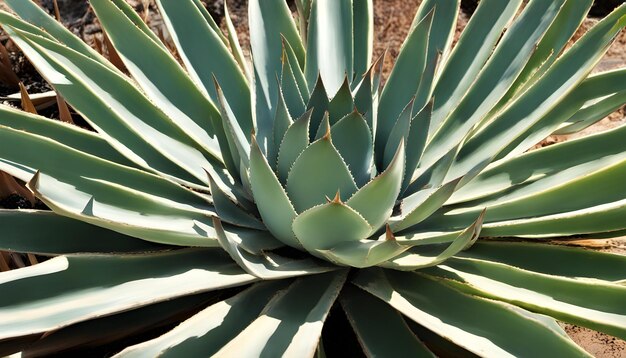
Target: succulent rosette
245, 198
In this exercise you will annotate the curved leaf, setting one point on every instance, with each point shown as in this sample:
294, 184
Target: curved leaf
307, 188
325, 226
209, 330
67, 290
44, 232
353, 140
274, 206
376, 200
483, 327
395, 339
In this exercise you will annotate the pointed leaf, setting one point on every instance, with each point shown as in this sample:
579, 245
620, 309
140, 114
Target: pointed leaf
502, 330
294, 142
230, 212
395, 339
306, 302
206, 56
497, 75
364, 253
268, 20
282, 121
325, 226
209, 330
160, 76
376, 200
330, 43
468, 56
49, 28
353, 140
363, 22
319, 104
342, 103
423, 256
419, 206
76, 288
44, 232
266, 266
416, 142
235, 47
563, 298
319, 172
403, 81
274, 205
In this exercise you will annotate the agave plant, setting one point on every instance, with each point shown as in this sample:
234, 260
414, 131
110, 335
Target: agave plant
236, 203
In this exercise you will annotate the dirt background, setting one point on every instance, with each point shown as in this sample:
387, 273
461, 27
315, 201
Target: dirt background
392, 21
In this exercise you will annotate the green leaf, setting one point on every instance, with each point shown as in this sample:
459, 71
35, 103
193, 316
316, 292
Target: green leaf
289, 86
563, 298
443, 27
44, 232
395, 339
306, 302
594, 219
117, 110
376, 200
555, 194
210, 329
324, 127
403, 81
366, 97
298, 74
363, 31
416, 142
422, 256
353, 140
160, 77
495, 78
124, 210
363, 253
319, 104
483, 327
569, 70
209, 19
72, 136
233, 40
419, 206
274, 206
294, 142
133, 16
587, 154
71, 289
330, 43
593, 113
266, 266
325, 226
49, 28
431, 176
307, 188
595, 93
342, 103
282, 121
26, 148
206, 56
469, 56
268, 20
229, 211
399, 133
110, 329
573, 262
549, 48
235, 135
